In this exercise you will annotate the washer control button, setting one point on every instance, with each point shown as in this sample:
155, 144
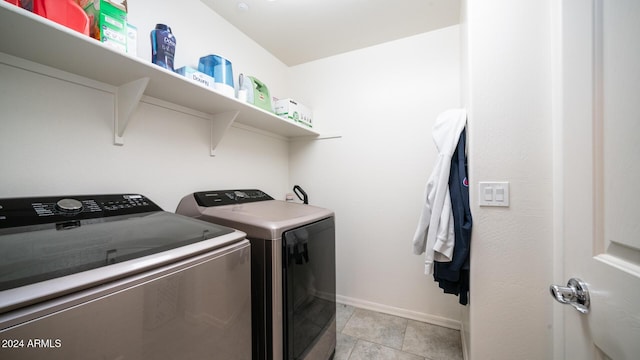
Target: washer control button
69, 206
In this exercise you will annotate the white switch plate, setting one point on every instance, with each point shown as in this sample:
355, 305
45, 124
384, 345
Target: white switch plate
494, 193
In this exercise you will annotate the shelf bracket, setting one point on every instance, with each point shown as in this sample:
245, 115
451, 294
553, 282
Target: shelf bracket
219, 125
127, 98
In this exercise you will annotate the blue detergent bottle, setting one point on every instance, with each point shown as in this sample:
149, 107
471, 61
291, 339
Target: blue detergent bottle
163, 46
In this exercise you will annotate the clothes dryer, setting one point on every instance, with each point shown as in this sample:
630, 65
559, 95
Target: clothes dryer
293, 276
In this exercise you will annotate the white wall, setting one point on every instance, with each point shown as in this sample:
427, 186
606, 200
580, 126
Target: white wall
508, 94
383, 100
57, 138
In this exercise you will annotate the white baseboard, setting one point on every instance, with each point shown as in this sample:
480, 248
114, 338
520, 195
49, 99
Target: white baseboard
465, 345
409, 314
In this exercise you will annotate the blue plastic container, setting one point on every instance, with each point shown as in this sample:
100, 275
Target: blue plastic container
220, 70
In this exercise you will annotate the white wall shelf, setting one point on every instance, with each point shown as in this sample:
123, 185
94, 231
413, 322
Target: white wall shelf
44, 42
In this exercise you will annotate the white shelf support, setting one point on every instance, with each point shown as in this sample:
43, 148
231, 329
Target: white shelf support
126, 101
219, 125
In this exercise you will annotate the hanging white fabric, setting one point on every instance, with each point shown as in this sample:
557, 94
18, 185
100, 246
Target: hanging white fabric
434, 234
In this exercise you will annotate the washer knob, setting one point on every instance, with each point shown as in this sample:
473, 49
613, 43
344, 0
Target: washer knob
69, 206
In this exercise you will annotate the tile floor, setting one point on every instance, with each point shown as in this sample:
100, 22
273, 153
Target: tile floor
369, 335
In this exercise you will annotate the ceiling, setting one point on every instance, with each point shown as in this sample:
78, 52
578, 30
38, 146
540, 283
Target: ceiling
299, 31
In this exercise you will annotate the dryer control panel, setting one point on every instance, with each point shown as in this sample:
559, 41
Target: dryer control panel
230, 197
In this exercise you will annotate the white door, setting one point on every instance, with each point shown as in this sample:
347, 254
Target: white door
600, 97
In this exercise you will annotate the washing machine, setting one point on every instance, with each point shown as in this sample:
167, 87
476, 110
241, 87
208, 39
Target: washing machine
115, 277
293, 276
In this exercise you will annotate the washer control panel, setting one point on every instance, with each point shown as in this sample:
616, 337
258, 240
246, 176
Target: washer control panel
16, 212
230, 197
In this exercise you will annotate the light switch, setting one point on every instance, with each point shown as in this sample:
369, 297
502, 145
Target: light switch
493, 193
488, 194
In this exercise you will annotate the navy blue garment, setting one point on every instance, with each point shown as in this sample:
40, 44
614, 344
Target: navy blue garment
453, 277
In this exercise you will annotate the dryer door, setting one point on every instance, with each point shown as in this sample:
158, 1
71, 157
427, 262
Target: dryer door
309, 278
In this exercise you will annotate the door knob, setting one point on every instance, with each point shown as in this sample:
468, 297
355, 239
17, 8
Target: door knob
575, 294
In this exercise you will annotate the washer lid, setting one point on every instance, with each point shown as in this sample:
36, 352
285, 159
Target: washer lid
32, 254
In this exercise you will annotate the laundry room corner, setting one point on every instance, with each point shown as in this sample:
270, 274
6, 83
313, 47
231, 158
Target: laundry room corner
381, 103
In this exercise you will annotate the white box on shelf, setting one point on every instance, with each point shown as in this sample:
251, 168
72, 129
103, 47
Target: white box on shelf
132, 40
196, 76
291, 109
